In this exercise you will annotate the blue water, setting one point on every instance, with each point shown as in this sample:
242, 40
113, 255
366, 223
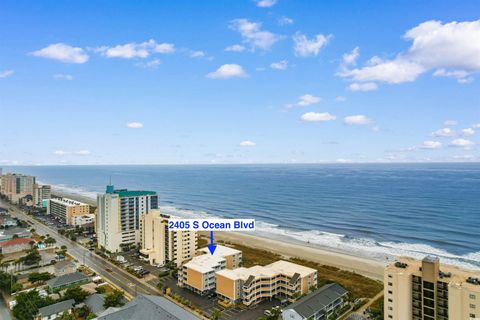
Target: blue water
374, 210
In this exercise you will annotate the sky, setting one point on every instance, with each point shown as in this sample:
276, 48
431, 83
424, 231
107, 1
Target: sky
238, 81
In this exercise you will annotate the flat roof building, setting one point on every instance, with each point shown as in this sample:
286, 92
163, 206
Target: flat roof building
426, 290
118, 217
254, 284
198, 274
66, 209
160, 245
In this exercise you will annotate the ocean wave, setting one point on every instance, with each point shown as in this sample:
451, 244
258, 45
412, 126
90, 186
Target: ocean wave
364, 247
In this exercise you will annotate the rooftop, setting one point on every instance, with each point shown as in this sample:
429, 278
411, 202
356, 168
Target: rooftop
56, 308
147, 307
68, 202
16, 241
221, 251
318, 300
204, 263
67, 279
95, 303
454, 276
128, 193
279, 267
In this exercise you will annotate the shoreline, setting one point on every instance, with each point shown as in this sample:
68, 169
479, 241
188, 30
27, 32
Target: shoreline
367, 267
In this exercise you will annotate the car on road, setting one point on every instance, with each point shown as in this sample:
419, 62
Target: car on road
108, 270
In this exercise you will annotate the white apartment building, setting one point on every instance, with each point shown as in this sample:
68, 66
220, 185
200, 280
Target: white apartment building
160, 245
65, 209
40, 194
118, 217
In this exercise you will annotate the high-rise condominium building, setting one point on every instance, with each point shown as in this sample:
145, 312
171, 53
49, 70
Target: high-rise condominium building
66, 209
160, 245
40, 194
118, 216
16, 187
424, 290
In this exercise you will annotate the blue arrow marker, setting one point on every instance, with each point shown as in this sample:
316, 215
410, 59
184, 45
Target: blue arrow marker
211, 246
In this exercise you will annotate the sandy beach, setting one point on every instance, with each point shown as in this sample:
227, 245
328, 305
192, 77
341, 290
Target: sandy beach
367, 267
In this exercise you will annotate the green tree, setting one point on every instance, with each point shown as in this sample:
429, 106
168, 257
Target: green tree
32, 257
66, 316
28, 304
6, 282
50, 241
113, 299
76, 293
91, 316
39, 277
216, 314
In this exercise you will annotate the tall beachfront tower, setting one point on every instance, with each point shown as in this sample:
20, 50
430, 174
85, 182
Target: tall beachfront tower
426, 290
118, 216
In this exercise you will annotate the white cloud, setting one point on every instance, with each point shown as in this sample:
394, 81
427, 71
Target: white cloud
63, 52
444, 132
280, 65
462, 143
305, 47
308, 99
228, 71
253, 34
82, 152
152, 64
61, 76
135, 125
343, 160
6, 73
247, 143
367, 86
235, 48
451, 48
78, 153
283, 21
317, 116
359, 119
340, 98
468, 132
266, 3
451, 122
351, 58
197, 54
61, 152
431, 145
136, 50
476, 126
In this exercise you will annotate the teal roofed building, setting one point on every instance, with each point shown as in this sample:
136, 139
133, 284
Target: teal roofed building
118, 216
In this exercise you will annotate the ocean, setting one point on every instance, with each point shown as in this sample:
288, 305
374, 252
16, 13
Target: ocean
370, 210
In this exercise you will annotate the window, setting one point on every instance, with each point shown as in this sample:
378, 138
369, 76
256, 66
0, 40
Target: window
472, 296
472, 306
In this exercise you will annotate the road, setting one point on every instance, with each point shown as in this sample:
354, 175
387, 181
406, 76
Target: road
119, 277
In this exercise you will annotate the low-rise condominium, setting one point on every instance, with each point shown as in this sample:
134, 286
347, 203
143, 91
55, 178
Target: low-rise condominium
252, 285
198, 274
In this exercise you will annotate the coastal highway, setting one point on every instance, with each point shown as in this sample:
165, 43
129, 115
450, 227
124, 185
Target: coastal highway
120, 278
